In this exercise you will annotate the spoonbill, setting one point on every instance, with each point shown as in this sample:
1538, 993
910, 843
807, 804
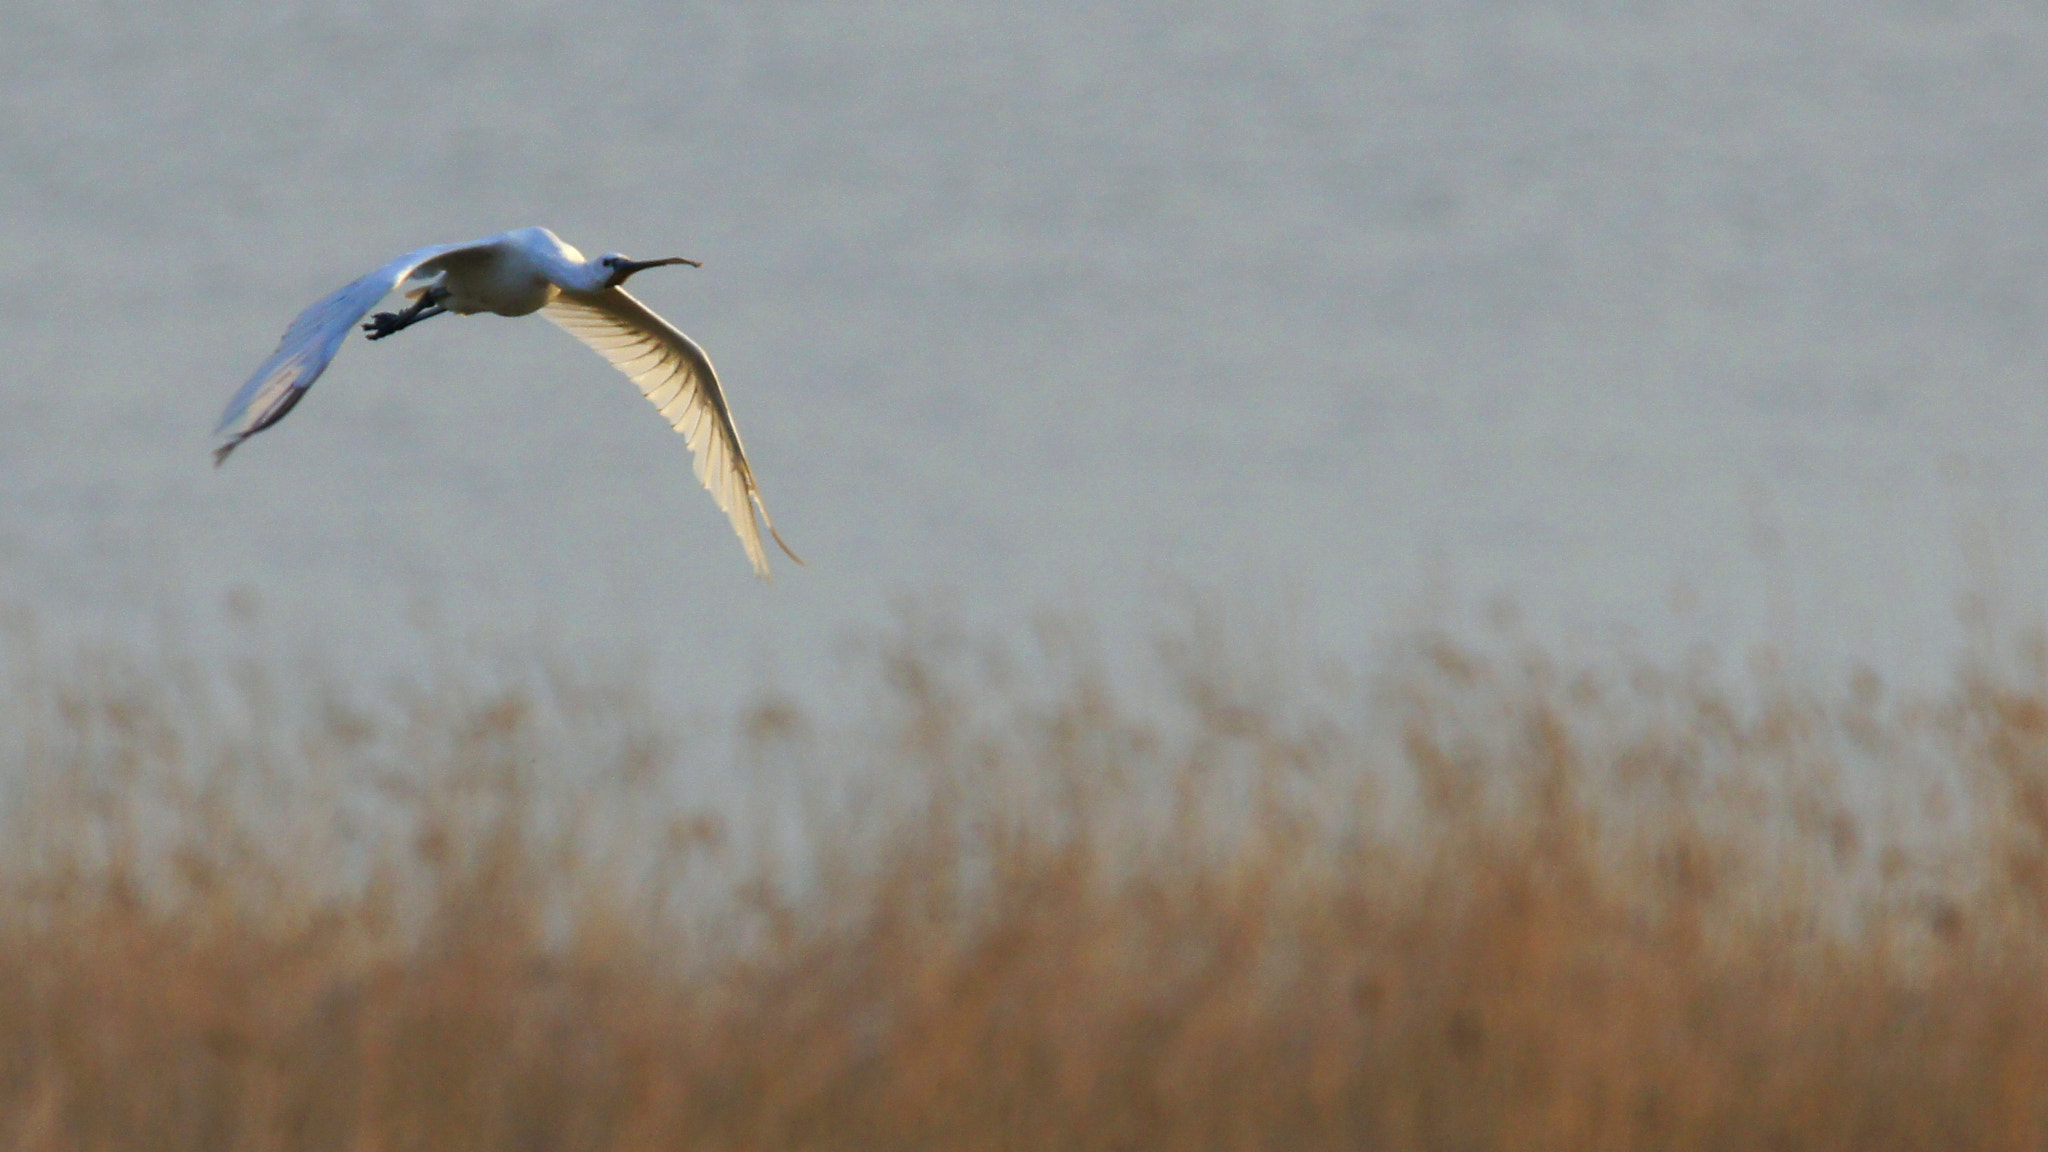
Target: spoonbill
519, 273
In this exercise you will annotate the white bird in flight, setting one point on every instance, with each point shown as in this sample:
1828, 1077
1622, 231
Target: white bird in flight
516, 274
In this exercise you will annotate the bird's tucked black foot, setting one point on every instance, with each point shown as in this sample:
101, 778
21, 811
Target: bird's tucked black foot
385, 323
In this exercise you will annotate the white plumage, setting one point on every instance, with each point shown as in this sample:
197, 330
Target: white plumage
516, 274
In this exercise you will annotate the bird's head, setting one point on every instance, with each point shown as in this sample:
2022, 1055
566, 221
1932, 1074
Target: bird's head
616, 268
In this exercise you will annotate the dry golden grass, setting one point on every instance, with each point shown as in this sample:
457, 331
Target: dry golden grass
1464, 903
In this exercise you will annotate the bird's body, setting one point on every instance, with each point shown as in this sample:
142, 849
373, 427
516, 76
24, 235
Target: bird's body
517, 274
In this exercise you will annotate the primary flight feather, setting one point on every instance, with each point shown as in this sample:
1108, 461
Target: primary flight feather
517, 274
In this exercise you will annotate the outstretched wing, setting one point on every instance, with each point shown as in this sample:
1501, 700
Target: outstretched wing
310, 342
675, 374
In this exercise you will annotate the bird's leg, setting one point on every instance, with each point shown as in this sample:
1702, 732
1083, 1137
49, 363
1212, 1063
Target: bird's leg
428, 305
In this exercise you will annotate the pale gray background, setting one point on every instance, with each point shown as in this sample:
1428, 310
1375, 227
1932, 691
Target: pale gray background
1674, 321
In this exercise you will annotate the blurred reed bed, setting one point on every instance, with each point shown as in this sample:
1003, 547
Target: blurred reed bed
1468, 900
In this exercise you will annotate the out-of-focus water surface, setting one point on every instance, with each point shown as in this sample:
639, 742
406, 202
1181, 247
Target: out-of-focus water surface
1675, 321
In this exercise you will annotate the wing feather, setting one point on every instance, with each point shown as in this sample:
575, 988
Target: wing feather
311, 342
676, 376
